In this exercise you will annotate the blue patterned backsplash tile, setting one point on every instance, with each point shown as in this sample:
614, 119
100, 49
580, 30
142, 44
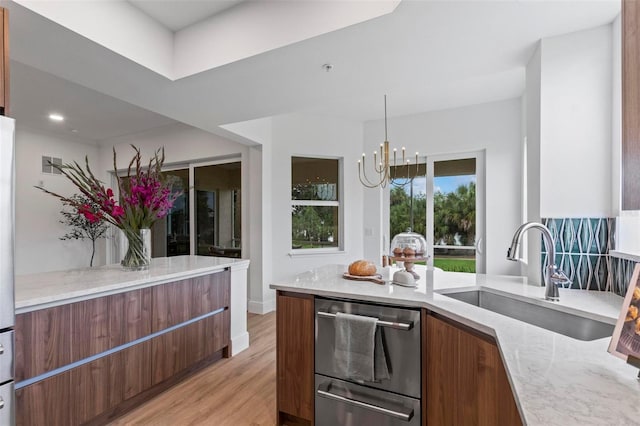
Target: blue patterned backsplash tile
621, 271
582, 252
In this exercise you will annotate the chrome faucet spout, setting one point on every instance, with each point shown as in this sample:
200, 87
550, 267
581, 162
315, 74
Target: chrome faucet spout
552, 276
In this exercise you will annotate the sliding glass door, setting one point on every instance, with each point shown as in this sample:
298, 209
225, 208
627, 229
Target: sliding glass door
170, 236
217, 210
445, 203
206, 218
455, 212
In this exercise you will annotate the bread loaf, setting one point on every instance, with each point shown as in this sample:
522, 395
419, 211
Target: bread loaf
362, 268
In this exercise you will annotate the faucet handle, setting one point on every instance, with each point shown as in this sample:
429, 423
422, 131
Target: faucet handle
559, 277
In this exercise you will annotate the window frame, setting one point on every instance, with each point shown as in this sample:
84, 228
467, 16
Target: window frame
319, 203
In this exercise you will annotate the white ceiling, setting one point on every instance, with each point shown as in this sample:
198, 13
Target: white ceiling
425, 55
178, 14
89, 115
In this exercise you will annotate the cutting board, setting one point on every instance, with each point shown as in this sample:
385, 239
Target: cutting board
372, 278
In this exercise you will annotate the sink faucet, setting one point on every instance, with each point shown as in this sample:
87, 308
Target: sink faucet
552, 275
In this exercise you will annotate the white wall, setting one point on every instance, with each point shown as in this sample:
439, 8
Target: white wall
532, 125
116, 25
313, 135
616, 116
282, 137
38, 230
494, 127
575, 128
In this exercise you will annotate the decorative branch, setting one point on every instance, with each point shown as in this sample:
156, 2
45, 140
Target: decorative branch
80, 221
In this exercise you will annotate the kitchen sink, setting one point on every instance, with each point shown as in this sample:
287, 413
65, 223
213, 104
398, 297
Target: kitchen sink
554, 320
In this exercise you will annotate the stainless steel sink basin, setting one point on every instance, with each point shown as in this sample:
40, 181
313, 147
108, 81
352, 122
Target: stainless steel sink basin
551, 319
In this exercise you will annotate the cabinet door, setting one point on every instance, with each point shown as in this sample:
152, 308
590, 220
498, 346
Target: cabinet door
43, 341
171, 304
295, 359
466, 383
630, 105
46, 403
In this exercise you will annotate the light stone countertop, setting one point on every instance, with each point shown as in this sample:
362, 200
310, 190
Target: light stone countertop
557, 380
47, 289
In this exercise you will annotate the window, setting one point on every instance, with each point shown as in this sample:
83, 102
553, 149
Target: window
315, 203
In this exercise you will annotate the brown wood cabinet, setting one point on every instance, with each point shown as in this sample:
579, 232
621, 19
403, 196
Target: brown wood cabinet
51, 338
97, 391
4, 61
630, 105
464, 380
295, 358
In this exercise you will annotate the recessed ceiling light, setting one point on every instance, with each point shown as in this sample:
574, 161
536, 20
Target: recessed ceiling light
56, 117
74, 130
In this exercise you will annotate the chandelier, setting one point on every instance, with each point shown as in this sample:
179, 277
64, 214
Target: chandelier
385, 170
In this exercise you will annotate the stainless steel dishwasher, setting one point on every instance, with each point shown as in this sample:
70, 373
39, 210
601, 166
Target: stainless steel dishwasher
395, 401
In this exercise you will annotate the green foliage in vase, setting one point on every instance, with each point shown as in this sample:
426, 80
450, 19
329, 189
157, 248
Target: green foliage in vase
81, 227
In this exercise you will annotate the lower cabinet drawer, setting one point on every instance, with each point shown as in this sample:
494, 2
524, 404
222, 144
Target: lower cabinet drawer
7, 405
6, 356
343, 403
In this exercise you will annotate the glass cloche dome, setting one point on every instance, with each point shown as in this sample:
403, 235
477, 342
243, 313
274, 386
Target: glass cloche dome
408, 247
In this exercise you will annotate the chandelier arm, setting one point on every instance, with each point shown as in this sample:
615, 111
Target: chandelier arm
367, 182
380, 175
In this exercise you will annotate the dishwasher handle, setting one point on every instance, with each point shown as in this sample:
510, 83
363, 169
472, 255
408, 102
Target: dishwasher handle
397, 325
324, 391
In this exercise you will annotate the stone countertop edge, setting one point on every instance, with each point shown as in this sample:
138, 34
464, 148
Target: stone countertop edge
556, 380
49, 289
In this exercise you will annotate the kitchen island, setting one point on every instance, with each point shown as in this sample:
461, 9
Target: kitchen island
554, 379
93, 343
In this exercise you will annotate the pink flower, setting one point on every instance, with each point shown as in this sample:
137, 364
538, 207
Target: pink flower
146, 195
117, 211
89, 214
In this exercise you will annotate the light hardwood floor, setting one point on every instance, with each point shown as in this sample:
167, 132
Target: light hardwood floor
235, 391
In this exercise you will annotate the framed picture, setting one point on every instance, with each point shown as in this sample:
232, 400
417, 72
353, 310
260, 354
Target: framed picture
625, 341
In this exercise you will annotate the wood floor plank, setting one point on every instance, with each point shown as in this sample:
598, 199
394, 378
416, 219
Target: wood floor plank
234, 391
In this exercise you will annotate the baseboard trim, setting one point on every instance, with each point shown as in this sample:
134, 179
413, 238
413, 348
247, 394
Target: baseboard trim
239, 343
261, 307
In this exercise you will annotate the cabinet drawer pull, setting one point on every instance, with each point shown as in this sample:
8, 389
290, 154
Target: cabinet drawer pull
323, 391
1, 403
1, 350
396, 325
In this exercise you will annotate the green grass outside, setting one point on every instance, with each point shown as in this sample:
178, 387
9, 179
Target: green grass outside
455, 265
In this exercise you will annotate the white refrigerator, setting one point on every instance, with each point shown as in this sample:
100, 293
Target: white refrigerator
7, 302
